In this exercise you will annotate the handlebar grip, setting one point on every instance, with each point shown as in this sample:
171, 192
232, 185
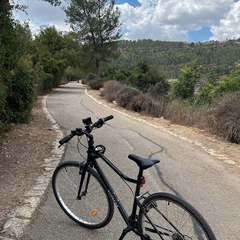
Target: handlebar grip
101, 121
66, 139
108, 118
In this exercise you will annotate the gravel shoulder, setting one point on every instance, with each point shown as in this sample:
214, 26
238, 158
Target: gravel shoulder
24, 150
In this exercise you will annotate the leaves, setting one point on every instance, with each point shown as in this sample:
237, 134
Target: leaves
53, 2
96, 24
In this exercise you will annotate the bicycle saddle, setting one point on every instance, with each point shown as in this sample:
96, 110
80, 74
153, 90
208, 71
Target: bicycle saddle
143, 163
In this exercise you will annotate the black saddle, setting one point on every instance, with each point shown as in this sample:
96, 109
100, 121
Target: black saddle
143, 163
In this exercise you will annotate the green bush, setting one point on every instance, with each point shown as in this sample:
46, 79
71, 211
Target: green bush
90, 76
144, 76
73, 74
185, 86
93, 81
3, 95
211, 91
96, 84
230, 84
206, 95
21, 94
224, 118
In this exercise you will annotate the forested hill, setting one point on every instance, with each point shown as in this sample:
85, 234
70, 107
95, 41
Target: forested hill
169, 57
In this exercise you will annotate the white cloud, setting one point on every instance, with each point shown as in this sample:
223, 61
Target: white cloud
229, 26
40, 14
172, 19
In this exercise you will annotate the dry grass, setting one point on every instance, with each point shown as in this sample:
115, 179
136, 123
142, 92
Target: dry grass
110, 89
224, 119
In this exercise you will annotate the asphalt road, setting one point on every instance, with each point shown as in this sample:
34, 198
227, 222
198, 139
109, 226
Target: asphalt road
184, 170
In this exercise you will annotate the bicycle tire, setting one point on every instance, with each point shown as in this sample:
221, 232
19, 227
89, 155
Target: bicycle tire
173, 219
95, 209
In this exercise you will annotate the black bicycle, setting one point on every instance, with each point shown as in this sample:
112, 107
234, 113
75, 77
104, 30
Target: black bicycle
84, 193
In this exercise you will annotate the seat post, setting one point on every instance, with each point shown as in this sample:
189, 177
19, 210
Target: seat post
137, 192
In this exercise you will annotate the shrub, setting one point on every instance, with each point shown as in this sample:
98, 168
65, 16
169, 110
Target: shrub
182, 112
140, 103
206, 95
185, 86
224, 119
93, 81
91, 76
156, 91
2, 106
96, 84
144, 104
110, 90
125, 96
21, 94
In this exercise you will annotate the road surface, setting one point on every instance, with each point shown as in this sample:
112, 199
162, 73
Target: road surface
184, 170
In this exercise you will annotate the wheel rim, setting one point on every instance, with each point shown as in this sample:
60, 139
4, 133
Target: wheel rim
91, 209
172, 221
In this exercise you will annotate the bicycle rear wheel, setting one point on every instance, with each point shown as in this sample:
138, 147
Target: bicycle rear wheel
171, 218
94, 209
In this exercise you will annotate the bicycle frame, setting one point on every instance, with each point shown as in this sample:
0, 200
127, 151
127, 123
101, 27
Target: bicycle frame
143, 224
93, 154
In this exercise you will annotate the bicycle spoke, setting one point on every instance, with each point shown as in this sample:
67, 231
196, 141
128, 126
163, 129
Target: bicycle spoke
94, 209
173, 218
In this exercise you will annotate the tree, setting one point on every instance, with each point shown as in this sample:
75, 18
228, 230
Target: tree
17, 86
145, 76
53, 2
96, 23
184, 88
49, 46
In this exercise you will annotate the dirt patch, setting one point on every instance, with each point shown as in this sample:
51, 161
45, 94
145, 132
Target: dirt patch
224, 152
22, 152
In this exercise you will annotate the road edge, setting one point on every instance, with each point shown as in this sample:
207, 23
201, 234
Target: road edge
20, 217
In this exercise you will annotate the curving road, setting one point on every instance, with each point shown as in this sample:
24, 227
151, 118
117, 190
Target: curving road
185, 170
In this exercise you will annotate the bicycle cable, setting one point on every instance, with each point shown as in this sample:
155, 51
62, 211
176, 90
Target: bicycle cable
128, 186
79, 144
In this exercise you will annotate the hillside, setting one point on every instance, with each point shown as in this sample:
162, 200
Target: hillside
169, 57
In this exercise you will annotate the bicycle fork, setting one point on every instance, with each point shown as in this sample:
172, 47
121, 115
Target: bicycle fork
82, 172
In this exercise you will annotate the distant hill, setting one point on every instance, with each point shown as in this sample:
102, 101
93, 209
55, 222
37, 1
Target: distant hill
169, 57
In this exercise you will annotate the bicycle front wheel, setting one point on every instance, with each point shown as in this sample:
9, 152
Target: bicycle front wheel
168, 217
94, 208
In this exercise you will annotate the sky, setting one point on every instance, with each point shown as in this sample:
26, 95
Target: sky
165, 20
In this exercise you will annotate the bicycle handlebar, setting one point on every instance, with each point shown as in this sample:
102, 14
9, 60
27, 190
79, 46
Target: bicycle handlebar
100, 122
66, 139
88, 129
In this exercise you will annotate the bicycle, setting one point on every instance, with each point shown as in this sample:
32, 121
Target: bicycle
85, 194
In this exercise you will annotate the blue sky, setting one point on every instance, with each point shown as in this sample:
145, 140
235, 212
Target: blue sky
202, 35
166, 20
133, 3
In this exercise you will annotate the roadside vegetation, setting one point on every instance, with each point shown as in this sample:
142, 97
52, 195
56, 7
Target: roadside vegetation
193, 99
34, 65
193, 84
